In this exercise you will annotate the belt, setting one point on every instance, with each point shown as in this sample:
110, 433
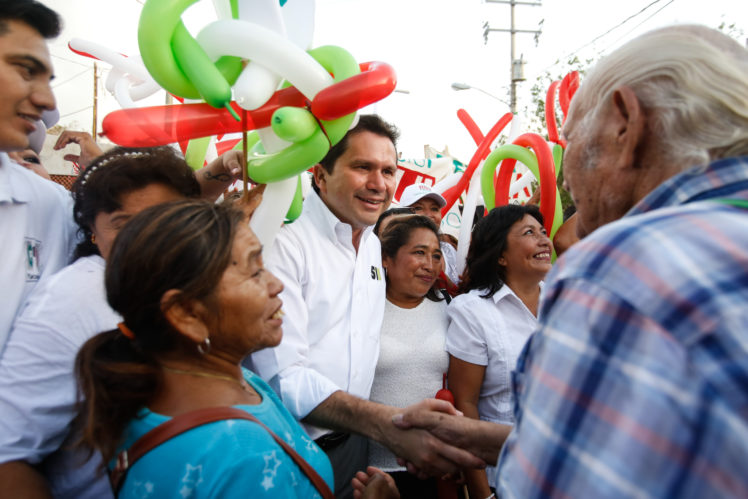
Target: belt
332, 440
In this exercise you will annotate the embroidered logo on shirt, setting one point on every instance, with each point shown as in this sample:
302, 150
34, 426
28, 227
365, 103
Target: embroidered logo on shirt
375, 273
32, 259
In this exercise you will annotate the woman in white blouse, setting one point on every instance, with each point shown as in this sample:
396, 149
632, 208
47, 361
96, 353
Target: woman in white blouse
509, 255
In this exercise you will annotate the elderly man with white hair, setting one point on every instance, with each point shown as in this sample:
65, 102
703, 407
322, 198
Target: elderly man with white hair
636, 383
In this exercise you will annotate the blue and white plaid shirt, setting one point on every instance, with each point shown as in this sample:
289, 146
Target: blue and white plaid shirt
636, 383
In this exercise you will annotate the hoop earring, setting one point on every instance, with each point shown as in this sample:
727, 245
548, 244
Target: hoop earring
204, 347
93, 238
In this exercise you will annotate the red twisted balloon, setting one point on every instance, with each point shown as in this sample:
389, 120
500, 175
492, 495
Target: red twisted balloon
484, 148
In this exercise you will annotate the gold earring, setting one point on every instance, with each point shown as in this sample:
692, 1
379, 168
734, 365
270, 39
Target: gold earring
93, 238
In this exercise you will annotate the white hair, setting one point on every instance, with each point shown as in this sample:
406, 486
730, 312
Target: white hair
692, 82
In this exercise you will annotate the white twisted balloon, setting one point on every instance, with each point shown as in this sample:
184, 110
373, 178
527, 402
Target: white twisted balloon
128, 81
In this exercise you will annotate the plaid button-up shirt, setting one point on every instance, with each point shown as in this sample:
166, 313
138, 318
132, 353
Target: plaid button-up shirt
636, 383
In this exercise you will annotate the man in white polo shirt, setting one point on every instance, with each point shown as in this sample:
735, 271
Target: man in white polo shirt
35, 214
334, 290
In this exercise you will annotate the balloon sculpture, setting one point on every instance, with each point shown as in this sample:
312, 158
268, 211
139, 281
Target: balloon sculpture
247, 53
530, 149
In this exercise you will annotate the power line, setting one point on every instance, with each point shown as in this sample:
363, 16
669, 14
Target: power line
70, 60
574, 52
614, 27
76, 112
72, 78
632, 29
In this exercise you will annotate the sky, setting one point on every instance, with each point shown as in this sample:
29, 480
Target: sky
430, 43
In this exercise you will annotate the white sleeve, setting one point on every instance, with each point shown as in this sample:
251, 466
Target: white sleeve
466, 339
285, 367
37, 388
450, 262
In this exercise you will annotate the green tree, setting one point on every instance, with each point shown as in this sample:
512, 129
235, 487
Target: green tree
535, 110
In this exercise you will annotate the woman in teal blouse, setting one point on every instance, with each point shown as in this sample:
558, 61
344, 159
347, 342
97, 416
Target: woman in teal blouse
188, 280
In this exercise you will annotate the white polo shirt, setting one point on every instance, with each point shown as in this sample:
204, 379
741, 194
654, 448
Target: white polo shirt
334, 303
38, 389
491, 332
38, 235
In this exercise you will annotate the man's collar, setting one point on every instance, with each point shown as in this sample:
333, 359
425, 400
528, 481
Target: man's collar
505, 291
695, 184
6, 187
329, 221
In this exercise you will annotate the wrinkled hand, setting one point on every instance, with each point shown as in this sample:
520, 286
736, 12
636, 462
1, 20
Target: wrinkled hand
374, 483
480, 438
89, 150
427, 452
249, 202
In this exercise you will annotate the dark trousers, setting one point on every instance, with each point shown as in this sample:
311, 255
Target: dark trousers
411, 487
347, 457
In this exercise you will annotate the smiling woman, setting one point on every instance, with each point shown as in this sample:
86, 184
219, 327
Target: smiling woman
509, 255
411, 345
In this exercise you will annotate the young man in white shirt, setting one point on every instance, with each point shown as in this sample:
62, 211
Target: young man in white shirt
35, 214
334, 290
36, 220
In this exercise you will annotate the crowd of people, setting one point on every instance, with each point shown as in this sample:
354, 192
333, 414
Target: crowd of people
147, 350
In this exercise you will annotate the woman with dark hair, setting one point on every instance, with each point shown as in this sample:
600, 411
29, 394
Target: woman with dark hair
412, 359
509, 256
188, 280
387, 215
37, 386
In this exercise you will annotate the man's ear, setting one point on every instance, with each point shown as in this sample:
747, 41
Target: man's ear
320, 177
187, 317
629, 125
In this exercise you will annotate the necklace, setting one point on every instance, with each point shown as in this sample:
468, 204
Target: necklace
203, 374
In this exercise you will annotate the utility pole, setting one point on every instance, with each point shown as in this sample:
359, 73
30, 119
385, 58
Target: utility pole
516, 68
95, 101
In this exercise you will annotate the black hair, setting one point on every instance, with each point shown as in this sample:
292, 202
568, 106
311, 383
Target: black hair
397, 234
183, 245
488, 243
366, 123
38, 16
391, 212
99, 189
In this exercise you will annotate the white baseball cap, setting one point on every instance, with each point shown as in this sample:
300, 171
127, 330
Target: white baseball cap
415, 192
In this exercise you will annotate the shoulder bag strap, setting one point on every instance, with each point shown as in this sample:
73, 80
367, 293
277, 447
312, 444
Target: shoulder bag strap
183, 422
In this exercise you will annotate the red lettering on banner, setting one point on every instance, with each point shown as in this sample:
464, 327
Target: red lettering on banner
411, 177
